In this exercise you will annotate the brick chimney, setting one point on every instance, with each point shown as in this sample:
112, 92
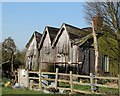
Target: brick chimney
98, 22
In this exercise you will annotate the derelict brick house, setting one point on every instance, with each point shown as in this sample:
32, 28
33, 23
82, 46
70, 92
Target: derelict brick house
45, 49
32, 51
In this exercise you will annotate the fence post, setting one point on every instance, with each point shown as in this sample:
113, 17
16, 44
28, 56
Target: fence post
40, 81
27, 77
91, 81
56, 78
31, 84
71, 81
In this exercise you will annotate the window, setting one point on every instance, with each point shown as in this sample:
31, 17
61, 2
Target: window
47, 49
60, 50
65, 48
106, 63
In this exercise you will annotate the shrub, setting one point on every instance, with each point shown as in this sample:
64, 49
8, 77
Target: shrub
50, 67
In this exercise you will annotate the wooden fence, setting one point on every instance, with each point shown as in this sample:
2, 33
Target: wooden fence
92, 78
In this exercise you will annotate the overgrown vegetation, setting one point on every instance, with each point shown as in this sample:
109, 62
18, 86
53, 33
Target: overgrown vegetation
111, 49
12, 58
111, 91
107, 22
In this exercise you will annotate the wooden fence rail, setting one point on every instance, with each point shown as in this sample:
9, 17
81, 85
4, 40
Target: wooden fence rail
92, 78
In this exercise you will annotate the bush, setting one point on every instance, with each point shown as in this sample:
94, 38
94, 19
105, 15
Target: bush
50, 67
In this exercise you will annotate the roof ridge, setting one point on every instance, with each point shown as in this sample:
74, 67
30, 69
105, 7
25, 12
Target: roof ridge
86, 27
52, 27
37, 32
72, 26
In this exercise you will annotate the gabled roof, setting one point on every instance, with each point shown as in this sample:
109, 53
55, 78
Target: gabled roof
81, 41
52, 31
84, 39
37, 36
87, 29
73, 32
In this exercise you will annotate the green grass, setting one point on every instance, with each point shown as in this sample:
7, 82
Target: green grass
88, 88
79, 87
8, 90
64, 85
108, 90
101, 89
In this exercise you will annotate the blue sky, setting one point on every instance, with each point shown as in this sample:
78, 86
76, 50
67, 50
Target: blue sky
20, 20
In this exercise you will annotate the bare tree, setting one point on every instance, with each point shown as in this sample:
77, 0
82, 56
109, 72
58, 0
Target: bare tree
110, 12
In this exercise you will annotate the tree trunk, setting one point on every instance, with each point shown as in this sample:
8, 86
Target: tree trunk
118, 41
96, 49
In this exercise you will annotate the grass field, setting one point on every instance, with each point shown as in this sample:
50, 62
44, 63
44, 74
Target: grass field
101, 89
8, 90
112, 91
